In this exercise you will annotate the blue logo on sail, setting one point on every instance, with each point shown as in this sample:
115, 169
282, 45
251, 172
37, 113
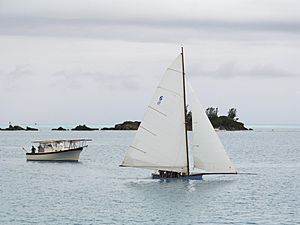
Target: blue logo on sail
160, 100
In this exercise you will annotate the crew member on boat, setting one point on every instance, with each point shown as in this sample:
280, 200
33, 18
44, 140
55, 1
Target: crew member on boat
168, 174
33, 149
40, 148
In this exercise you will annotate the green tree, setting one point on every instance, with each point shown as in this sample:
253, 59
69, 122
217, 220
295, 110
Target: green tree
232, 113
211, 112
188, 119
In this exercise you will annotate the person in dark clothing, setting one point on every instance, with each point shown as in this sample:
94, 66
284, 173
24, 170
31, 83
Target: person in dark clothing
32, 149
161, 173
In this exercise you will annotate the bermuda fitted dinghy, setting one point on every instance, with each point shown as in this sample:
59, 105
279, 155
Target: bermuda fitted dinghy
161, 141
57, 150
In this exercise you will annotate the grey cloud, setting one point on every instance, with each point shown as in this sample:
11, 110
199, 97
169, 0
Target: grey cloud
20, 71
254, 24
270, 71
130, 84
14, 78
123, 27
231, 70
17, 73
81, 74
78, 78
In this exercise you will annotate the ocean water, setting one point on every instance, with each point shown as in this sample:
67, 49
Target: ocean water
96, 191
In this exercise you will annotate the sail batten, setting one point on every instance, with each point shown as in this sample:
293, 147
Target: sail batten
178, 71
150, 107
137, 149
180, 95
148, 130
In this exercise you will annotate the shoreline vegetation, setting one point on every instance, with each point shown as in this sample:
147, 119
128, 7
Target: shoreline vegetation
83, 128
60, 128
127, 125
229, 122
18, 128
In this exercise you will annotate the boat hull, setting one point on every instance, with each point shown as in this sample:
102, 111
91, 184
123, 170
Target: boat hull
190, 177
66, 155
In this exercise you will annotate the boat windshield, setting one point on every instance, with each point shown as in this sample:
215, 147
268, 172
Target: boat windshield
60, 145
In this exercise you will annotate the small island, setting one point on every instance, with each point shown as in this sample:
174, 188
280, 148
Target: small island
18, 128
59, 129
229, 122
83, 128
13, 128
127, 125
31, 129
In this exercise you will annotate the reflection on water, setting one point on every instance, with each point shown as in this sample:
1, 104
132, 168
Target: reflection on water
179, 185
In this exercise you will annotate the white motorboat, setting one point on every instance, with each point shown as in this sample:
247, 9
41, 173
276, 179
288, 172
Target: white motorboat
57, 150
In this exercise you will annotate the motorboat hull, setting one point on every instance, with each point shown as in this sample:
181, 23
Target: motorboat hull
64, 155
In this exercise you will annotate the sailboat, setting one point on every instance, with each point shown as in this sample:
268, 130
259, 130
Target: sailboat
161, 141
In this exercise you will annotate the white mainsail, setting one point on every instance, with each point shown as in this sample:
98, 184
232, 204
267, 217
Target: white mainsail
160, 140
208, 151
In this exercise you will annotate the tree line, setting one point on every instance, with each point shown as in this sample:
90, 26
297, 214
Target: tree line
213, 112
229, 122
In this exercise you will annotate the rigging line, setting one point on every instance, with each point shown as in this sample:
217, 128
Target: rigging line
147, 130
157, 111
137, 149
166, 89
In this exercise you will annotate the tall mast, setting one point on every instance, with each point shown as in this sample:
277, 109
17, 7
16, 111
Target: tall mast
184, 108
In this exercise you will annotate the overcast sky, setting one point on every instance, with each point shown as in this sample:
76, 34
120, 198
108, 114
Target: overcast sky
98, 62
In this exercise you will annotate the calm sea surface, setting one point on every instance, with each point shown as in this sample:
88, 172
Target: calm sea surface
97, 191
